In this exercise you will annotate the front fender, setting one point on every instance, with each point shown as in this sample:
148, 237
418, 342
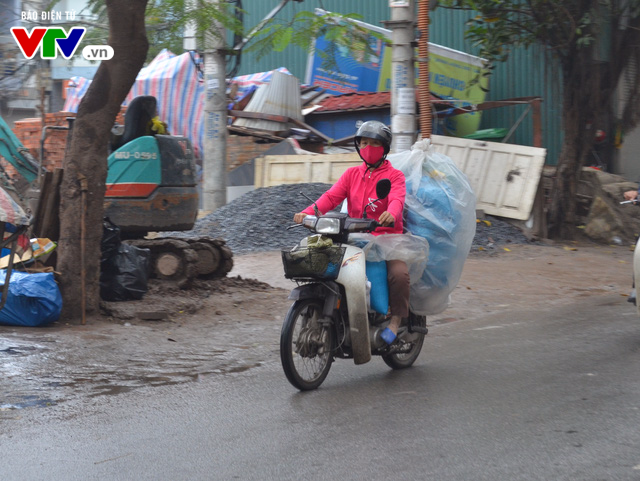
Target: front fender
353, 277
636, 273
328, 291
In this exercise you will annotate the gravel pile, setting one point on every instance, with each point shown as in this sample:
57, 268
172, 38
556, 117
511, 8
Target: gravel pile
258, 221
493, 233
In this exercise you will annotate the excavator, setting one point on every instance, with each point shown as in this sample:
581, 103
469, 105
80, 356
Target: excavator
151, 187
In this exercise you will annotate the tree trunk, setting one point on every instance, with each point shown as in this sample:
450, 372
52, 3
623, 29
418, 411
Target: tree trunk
582, 107
589, 86
86, 157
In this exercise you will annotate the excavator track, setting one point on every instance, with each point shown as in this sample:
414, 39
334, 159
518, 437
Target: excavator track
183, 260
215, 259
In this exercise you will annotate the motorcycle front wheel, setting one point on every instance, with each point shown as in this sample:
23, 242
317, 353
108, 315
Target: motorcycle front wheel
306, 345
402, 360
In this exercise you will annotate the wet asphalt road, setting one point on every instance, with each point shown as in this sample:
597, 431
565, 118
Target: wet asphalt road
546, 395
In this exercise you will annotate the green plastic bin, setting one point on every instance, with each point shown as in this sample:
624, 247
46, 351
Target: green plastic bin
491, 135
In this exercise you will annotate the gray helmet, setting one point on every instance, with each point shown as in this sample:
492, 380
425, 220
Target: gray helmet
374, 130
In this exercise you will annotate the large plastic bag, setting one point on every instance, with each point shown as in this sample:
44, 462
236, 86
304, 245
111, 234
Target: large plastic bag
124, 276
33, 300
411, 249
441, 208
110, 239
124, 269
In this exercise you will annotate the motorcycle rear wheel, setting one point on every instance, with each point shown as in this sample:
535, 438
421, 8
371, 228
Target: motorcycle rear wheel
403, 360
306, 346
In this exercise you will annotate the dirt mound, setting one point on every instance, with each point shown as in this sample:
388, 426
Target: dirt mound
165, 299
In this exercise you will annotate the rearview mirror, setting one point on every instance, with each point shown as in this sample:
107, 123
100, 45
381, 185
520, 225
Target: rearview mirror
383, 187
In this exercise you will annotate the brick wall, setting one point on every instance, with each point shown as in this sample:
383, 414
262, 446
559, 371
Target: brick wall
29, 132
241, 149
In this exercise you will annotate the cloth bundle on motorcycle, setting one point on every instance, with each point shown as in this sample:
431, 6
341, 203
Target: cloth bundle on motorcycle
441, 208
124, 269
33, 300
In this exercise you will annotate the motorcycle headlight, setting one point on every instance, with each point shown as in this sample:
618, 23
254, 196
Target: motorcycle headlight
327, 225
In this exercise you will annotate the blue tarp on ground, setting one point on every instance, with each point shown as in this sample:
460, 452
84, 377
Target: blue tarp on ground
34, 299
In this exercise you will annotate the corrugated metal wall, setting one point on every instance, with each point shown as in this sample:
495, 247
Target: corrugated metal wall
293, 58
526, 73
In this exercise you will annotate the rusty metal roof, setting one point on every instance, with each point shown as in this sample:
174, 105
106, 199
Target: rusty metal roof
356, 101
359, 101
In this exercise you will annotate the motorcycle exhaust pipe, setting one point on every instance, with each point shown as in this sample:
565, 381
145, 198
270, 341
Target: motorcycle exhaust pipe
376, 339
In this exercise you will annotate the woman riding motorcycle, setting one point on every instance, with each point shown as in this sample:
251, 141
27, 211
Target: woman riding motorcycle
358, 186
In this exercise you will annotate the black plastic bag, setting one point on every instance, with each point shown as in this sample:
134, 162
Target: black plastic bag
124, 276
110, 240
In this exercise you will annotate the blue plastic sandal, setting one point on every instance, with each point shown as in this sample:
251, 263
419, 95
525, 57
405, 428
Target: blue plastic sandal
387, 335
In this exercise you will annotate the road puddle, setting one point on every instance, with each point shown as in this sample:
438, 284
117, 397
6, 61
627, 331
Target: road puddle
37, 373
28, 401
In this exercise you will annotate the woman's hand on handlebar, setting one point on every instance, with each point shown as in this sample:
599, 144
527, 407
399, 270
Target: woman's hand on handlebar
299, 217
386, 219
631, 195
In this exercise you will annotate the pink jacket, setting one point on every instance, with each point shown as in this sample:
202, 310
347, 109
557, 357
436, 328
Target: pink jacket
358, 186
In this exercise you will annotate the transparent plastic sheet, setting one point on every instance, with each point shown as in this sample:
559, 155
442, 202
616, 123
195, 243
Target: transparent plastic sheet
411, 249
441, 208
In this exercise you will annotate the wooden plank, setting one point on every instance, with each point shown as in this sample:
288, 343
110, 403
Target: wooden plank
537, 123
258, 172
294, 169
314, 96
279, 118
261, 134
316, 132
45, 188
49, 205
504, 177
259, 115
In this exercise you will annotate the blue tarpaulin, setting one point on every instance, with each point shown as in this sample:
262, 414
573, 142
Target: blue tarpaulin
33, 300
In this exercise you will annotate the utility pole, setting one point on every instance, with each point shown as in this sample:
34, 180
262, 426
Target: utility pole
214, 155
214, 161
403, 93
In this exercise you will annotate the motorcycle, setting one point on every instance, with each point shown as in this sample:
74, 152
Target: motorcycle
636, 273
330, 317
636, 265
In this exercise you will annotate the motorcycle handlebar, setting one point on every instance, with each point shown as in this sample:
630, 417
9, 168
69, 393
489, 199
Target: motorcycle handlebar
378, 224
351, 224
